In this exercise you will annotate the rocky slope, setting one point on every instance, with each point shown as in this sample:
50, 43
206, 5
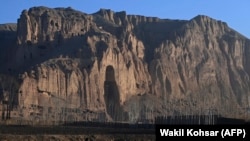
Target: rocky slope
113, 66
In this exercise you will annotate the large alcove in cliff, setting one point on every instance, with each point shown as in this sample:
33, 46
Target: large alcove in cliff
111, 94
168, 86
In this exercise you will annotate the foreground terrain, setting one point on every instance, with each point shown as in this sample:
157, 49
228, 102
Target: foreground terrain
90, 137
63, 133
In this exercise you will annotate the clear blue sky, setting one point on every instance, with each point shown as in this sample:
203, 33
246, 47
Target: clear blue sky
235, 12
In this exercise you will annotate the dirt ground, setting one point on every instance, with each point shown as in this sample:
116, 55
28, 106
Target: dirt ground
117, 137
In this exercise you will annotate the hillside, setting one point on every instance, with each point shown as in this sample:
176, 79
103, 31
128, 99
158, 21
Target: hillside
110, 66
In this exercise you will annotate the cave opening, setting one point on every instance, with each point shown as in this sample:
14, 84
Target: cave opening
168, 86
112, 95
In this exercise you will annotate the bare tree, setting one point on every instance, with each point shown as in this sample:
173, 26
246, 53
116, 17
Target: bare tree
9, 86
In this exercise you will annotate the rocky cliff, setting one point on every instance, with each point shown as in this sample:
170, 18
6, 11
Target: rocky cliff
113, 66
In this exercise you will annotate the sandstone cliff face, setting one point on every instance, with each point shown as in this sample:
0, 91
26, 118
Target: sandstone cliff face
113, 66
204, 62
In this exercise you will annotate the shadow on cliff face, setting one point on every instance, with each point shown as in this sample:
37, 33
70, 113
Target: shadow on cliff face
112, 96
153, 34
29, 54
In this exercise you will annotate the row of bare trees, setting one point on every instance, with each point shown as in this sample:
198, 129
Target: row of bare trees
9, 87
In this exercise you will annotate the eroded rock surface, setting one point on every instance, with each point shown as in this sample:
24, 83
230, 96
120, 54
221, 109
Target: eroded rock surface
113, 66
